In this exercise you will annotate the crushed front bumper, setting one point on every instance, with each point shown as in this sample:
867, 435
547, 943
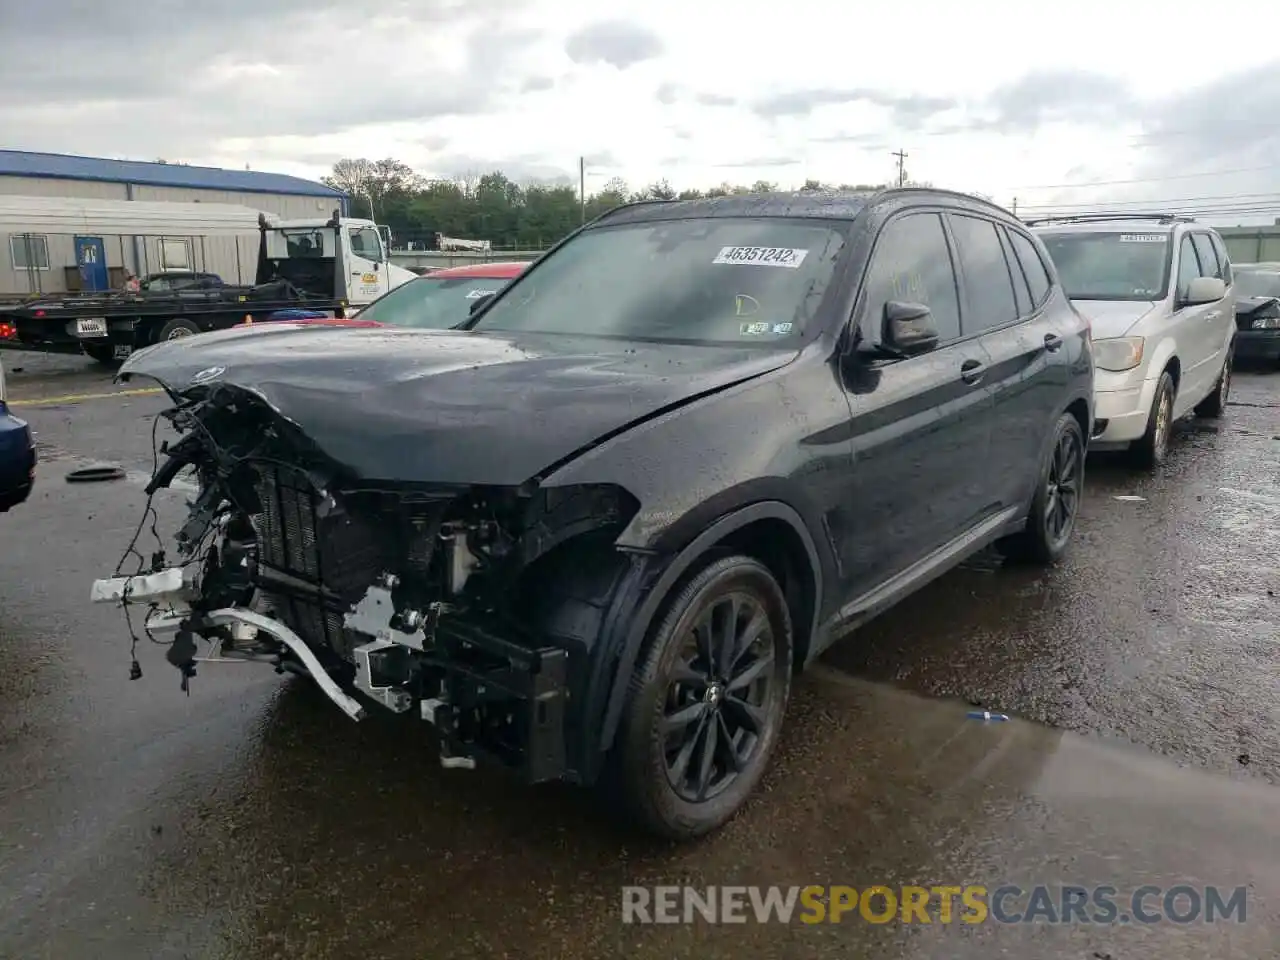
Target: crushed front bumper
475, 673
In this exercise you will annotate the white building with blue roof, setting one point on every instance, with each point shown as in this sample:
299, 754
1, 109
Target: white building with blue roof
47, 261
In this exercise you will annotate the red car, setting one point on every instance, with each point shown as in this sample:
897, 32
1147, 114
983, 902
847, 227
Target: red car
435, 301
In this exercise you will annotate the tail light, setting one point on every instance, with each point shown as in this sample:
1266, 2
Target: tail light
8, 331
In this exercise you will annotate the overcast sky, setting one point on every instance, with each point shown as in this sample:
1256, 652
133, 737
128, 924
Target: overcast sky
1008, 99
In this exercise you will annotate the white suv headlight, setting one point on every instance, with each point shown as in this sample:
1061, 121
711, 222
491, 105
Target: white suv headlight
1117, 353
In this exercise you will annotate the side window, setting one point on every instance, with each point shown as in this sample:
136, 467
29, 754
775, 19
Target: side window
1208, 257
365, 243
1032, 266
1021, 294
1188, 266
912, 262
1223, 258
988, 291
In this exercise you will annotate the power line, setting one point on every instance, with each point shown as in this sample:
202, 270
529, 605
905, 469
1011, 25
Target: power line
1180, 176
1156, 204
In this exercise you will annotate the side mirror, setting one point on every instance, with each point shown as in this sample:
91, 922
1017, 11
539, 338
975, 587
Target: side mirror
1204, 290
909, 328
478, 304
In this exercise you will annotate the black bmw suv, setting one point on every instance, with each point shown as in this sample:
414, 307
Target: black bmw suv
593, 532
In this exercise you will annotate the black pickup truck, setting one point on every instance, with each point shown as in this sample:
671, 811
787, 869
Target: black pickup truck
110, 325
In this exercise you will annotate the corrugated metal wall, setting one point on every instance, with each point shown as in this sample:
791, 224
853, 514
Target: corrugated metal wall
215, 254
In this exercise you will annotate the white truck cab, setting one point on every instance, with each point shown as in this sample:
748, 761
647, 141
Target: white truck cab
363, 260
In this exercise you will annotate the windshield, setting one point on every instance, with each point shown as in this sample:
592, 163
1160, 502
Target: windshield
1111, 266
1257, 283
720, 280
431, 303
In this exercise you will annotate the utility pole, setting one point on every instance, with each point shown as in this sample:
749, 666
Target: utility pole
902, 169
582, 187
1015, 206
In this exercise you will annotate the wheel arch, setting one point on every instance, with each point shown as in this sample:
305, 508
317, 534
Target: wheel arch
771, 531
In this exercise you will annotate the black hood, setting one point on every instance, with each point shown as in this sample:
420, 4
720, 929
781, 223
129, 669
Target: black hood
447, 406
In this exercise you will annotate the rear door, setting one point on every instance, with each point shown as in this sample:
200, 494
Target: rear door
920, 424
1005, 311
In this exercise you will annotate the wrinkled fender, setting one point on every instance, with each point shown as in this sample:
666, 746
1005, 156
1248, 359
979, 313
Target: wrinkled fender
610, 696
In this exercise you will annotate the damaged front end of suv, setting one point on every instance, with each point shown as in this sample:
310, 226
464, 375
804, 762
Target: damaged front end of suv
420, 597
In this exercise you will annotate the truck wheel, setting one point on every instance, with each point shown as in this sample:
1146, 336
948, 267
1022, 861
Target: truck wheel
706, 702
102, 353
1057, 499
1151, 450
177, 327
1215, 404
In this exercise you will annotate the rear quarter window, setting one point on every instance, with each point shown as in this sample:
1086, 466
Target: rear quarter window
1033, 267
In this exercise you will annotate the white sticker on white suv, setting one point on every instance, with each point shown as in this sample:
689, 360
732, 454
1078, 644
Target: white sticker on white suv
762, 256
1143, 238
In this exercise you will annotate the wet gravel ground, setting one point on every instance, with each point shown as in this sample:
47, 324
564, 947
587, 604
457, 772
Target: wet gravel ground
253, 820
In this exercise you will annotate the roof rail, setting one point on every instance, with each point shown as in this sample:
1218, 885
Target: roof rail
1105, 217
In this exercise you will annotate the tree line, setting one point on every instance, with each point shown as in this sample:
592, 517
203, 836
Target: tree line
494, 207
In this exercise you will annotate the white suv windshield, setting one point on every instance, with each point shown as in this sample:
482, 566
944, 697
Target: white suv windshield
714, 280
1128, 265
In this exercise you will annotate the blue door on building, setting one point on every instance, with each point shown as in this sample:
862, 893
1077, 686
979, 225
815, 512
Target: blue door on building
91, 255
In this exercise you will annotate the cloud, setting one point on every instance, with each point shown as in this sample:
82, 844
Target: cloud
178, 78
523, 169
537, 84
715, 100
620, 43
1057, 96
668, 93
908, 110
761, 162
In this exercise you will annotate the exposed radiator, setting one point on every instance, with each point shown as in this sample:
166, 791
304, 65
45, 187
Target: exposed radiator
298, 537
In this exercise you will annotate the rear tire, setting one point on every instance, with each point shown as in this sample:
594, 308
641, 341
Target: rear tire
1214, 405
706, 702
1059, 488
1152, 449
177, 327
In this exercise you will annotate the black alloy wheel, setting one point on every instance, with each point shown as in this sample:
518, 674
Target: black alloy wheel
1051, 517
706, 701
1063, 487
718, 697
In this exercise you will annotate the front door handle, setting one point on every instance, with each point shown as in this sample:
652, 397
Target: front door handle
1214, 315
972, 372
1052, 342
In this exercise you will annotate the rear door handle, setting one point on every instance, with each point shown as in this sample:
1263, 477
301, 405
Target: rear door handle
972, 371
1052, 342
1214, 315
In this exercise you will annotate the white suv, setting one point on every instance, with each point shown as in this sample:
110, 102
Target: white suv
1157, 291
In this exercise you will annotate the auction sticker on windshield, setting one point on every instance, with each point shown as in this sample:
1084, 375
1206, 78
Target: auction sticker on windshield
762, 256
1143, 238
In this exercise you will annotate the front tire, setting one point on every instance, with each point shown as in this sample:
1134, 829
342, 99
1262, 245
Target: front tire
1152, 449
706, 702
1056, 503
